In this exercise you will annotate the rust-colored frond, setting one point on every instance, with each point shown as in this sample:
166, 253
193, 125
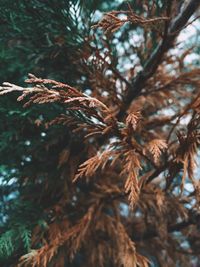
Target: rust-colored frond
156, 147
127, 250
132, 119
63, 93
187, 150
131, 168
76, 234
89, 167
112, 22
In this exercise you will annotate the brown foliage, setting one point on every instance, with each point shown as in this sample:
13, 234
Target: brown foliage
135, 153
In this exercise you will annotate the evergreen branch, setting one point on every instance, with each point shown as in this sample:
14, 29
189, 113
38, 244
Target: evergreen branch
157, 56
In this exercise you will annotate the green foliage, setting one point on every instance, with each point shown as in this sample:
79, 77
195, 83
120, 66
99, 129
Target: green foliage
42, 37
7, 242
22, 217
11, 240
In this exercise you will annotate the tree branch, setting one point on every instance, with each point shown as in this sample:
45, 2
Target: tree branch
156, 57
193, 219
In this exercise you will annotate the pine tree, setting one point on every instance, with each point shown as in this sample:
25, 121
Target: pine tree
99, 153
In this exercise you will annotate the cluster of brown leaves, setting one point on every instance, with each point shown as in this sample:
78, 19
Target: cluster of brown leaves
125, 156
134, 164
111, 21
58, 236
